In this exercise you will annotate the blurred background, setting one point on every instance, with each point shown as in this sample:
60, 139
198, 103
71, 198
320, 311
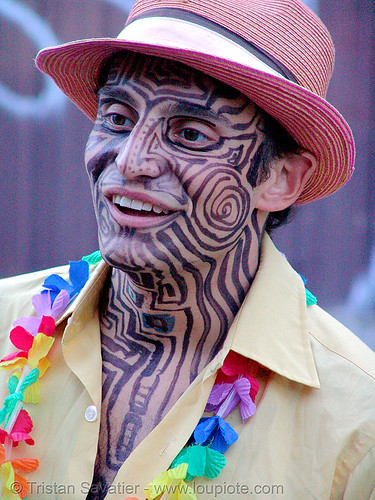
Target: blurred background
46, 214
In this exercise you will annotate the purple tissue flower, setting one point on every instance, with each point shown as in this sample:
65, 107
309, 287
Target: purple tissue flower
225, 397
43, 307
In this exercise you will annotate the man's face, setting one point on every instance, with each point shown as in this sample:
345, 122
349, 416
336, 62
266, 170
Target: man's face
172, 164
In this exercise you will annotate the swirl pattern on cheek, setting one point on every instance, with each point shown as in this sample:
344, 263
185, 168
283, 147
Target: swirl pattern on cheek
226, 205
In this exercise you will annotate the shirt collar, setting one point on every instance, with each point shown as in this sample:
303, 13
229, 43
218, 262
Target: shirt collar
271, 326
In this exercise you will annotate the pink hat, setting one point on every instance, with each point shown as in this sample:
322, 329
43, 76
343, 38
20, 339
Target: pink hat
276, 52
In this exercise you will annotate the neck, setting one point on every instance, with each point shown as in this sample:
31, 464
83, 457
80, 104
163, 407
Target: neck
189, 310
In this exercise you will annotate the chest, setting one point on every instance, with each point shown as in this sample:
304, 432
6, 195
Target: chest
134, 405
139, 386
140, 382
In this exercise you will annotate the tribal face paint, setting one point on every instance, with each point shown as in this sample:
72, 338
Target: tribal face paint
172, 163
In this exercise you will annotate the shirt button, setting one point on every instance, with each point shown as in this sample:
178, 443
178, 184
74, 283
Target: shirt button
91, 413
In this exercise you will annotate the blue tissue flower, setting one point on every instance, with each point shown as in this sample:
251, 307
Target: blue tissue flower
214, 431
78, 275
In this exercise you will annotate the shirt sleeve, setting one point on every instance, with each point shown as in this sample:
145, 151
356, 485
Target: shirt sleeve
361, 483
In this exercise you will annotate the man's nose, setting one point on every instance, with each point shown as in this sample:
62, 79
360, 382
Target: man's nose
140, 155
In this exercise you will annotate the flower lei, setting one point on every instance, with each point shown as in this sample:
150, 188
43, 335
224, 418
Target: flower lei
204, 453
33, 337
203, 456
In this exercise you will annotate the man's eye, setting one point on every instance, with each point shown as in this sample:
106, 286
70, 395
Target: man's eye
192, 135
117, 119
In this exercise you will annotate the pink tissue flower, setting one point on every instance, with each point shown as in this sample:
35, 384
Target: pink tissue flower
236, 366
20, 431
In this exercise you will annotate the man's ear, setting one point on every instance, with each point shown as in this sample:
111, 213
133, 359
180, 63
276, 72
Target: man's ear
287, 179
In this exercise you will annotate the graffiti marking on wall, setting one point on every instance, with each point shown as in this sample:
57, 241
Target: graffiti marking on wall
50, 98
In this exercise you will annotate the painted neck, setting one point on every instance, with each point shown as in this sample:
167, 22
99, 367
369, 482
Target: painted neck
194, 306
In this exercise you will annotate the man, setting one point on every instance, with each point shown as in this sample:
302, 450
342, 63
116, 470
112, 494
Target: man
210, 124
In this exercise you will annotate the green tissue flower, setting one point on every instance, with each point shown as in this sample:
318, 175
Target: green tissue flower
201, 460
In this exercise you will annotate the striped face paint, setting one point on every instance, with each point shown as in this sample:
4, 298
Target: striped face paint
172, 163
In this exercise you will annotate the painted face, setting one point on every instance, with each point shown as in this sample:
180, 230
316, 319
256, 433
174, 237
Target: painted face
172, 163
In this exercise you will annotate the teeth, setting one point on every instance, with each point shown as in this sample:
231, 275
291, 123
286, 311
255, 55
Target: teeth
137, 204
124, 201
147, 206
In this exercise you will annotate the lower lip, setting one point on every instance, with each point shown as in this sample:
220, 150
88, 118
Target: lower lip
139, 221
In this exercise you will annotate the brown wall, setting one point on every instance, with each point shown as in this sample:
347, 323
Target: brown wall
46, 215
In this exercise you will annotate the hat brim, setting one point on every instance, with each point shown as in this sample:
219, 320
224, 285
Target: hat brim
314, 123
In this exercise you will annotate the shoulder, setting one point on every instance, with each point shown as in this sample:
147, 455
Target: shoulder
345, 367
333, 340
345, 401
346, 371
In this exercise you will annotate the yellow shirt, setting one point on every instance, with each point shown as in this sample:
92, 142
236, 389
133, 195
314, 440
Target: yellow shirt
312, 436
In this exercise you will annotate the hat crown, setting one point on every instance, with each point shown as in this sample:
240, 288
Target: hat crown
286, 30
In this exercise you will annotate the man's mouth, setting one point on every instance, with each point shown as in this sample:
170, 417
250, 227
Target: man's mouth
136, 207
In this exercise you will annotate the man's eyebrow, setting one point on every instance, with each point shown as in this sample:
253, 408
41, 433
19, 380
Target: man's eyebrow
185, 108
190, 109
116, 93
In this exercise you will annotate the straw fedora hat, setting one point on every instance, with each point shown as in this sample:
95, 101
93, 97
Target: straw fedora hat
276, 52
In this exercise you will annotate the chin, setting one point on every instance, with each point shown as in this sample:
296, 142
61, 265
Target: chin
136, 253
